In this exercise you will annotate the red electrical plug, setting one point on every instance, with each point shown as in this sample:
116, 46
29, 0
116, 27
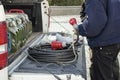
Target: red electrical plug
73, 21
56, 45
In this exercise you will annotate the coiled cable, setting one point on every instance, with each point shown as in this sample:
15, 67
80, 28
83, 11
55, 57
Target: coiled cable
43, 53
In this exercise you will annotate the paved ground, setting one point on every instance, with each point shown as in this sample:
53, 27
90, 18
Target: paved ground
61, 23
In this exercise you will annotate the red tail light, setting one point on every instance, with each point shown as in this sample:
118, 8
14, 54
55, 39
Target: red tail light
3, 45
3, 60
3, 33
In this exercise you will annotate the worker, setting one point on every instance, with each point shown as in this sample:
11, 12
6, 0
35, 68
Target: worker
102, 29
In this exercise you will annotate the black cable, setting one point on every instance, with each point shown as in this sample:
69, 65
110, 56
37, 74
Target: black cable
54, 56
44, 53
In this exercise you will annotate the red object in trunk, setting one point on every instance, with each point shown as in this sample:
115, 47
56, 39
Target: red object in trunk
56, 45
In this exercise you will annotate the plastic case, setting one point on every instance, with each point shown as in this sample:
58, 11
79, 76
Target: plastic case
20, 28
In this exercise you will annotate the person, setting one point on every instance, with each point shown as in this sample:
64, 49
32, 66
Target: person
102, 29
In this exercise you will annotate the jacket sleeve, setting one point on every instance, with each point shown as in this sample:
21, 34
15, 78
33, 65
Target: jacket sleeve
96, 21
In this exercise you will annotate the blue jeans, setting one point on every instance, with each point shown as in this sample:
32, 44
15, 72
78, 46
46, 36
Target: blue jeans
105, 65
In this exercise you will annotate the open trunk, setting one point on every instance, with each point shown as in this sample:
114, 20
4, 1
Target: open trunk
28, 69
23, 68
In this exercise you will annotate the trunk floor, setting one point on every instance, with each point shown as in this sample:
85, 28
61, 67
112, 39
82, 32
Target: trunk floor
76, 68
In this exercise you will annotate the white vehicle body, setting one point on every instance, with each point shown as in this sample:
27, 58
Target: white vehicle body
45, 15
4, 74
3, 71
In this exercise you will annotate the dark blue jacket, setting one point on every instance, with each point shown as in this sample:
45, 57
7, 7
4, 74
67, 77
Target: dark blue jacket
102, 27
